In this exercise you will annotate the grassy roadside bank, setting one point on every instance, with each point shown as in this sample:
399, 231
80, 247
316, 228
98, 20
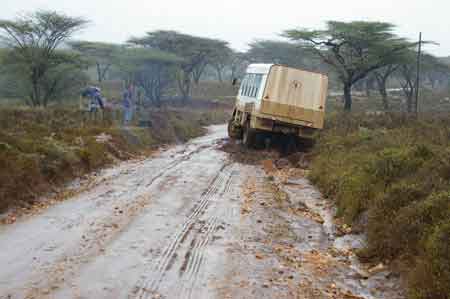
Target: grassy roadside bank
390, 176
41, 150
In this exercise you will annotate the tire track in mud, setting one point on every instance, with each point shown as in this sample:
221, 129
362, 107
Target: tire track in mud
101, 233
149, 286
196, 257
229, 182
92, 245
175, 163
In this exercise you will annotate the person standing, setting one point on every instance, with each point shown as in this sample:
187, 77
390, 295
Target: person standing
127, 104
94, 102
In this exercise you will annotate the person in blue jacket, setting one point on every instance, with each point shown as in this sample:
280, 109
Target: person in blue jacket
94, 101
127, 104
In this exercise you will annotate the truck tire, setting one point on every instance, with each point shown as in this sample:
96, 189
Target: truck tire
233, 132
291, 146
248, 135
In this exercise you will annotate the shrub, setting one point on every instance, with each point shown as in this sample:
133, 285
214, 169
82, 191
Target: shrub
416, 221
396, 170
430, 277
40, 149
391, 164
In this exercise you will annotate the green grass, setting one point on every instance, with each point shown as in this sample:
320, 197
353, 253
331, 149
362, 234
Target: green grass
391, 174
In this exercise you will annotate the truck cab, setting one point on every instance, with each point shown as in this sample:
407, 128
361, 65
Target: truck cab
278, 99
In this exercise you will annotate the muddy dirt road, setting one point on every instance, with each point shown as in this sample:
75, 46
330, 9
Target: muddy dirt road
188, 223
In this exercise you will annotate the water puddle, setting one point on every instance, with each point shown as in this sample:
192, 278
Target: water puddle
342, 269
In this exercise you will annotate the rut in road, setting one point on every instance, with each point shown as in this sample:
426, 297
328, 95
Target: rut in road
194, 258
190, 222
92, 243
175, 163
149, 286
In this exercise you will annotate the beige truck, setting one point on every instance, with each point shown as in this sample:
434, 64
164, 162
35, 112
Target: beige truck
278, 99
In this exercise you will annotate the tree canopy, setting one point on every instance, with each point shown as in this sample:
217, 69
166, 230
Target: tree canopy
353, 49
194, 50
151, 70
286, 53
219, 59
34, 40
102, 55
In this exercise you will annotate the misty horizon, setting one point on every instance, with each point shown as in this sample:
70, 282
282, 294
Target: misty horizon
241, 23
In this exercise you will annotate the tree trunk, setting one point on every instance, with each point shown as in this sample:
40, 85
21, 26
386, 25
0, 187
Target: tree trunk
408, 90
368, 89
370, 84
219, 75
198, 72
158, 89
36, 97
384, 99
99, 73
184, 85
347, 97
104, 71
383, 92
187, 91
432, 83
233, 74
35, 91
196, 78
409, 102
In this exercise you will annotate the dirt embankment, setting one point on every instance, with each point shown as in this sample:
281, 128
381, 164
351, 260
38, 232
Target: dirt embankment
41, 150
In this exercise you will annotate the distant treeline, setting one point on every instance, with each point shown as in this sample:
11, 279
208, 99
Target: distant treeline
39, 63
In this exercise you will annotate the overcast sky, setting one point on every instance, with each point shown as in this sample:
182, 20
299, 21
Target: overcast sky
241, 21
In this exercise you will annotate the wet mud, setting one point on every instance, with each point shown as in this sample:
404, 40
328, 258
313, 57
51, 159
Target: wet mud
192, 221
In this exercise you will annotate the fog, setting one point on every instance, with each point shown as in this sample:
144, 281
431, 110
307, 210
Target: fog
240, 22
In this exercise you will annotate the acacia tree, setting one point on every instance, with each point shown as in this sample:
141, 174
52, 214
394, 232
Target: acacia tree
101, 54
220, 59
152, 70
352, 49
64, 77
34, 40
381, 76
408, 82
6, 90
194, 51
437, 71
211, 52
238, 63
407, 72
198, 71
287, 53
369, 83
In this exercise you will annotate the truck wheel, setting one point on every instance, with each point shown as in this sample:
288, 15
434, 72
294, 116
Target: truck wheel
291, 145
248, 136
263, 140
233, 133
